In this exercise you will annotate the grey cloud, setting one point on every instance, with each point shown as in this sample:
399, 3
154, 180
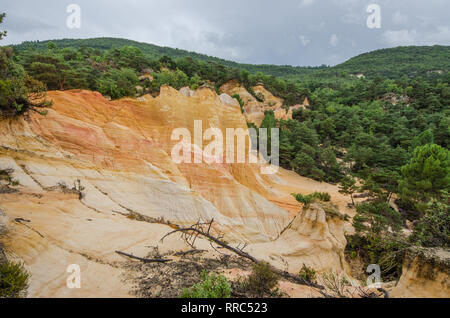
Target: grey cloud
296, 32
20, 24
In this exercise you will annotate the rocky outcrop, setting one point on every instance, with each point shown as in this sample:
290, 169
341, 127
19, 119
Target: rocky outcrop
315, 237
426, 274
254, 109
186, 91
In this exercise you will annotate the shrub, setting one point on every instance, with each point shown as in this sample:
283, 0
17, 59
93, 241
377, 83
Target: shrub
13, 280
261, 282
259, 97
308, 274
240, 101
118, 83
18, 91
433, 230
176, 79
212, 286
310, 198
376, 217
336, 285
305, 199
387, 250
377, 239
322, 196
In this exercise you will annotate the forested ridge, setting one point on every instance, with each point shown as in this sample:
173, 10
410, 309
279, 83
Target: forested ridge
390, 63
386, 134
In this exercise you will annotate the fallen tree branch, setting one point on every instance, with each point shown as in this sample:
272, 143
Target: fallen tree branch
145, 260
296, 279
198, 231
190, 234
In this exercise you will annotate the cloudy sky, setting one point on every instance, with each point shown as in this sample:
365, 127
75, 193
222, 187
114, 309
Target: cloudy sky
300, 32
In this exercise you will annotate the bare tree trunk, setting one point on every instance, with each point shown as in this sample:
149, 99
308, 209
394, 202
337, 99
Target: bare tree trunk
145, 260
190, 234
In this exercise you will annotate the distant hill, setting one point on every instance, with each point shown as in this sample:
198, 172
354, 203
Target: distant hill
399, 61
390, 63
154, 51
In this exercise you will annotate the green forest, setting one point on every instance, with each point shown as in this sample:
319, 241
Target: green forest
386, 135
389, 63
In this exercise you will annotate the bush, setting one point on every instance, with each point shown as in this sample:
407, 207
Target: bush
308, 274
118, 83
378, 239
13, 280
176, 79
261, 282
433, 230
310, 198
376, 217
259, 97
322, 196
212, 286
388, 251
336, 285
18, 91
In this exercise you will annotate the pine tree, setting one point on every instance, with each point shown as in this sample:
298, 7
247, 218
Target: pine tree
426, 175
348, 187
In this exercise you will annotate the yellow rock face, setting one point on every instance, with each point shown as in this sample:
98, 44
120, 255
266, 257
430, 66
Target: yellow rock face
121, 153
254, 110
425, 275
308, 240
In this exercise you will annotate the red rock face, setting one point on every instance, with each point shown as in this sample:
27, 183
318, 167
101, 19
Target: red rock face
129, 135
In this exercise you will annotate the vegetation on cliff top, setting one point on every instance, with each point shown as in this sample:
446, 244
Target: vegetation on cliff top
18, 90
389, 63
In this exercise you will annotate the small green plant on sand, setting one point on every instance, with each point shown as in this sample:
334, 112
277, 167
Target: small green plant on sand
308, 274
212, 286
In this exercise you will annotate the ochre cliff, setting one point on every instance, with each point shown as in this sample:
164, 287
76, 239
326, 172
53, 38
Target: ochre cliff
120, 152
308, 240
426, 274
254, 109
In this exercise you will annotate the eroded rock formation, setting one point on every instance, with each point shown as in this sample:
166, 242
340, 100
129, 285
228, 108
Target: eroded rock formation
426, 274
120, 152
254, 109
308, 240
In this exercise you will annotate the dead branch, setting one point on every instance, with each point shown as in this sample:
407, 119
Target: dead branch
191, 233
20, 220
145, 260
